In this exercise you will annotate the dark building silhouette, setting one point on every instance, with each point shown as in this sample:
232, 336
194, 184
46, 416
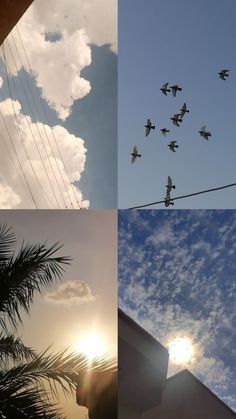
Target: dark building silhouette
10, 12
98, 392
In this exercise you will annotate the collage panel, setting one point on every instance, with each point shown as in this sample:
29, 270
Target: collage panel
176, 333
58, 104
58, 314
176, 107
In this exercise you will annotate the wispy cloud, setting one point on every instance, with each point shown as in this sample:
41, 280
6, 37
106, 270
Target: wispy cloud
177, 275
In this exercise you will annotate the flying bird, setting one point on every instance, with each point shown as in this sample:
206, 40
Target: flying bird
135, 154
168, 200
173, 145
223, 74
165, 89
176, 119
148, 127
204, 133
164, 131
169, 185
175, 88
183, 110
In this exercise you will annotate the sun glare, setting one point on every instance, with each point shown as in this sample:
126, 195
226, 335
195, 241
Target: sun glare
181, 350
92, 345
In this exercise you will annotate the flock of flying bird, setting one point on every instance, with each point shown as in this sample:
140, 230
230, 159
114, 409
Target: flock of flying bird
176, 119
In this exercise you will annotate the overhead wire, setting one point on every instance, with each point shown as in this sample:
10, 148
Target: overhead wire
18, 160
44, 129
48, 121
184, 196
19, 132
40, 136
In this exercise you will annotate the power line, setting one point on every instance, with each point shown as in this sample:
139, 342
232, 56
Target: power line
49, 124
33, 136
185, 196
19, 132
45, 131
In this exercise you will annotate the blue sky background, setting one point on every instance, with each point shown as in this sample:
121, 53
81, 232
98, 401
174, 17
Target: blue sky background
177, 275
187, 43
93, 118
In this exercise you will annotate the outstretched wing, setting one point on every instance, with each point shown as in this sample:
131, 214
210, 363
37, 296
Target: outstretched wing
174, 90
203, 129
134, 154
148, 129
169, 183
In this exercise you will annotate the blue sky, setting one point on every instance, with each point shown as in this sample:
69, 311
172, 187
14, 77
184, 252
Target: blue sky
183, 43
177, 274
74, 65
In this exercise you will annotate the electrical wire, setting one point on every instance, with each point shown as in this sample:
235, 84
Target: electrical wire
185, 196
44, 129
48, 121
19, 132
34, 139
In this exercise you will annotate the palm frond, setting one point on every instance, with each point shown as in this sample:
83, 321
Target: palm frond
20, 402
7, 240
64, 369
13, 349
33, 268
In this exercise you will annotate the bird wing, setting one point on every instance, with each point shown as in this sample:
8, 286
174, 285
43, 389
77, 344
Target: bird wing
203, 129
148, 129
174, 90
169, 182
165, 86
133, 158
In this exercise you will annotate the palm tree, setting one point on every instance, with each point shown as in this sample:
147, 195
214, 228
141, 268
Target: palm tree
28, 381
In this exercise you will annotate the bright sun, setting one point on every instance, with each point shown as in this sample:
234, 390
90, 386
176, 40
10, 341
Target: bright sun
181, 350
92, 345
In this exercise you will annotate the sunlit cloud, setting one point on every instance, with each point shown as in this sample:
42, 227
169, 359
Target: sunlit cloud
72, 292
39, 149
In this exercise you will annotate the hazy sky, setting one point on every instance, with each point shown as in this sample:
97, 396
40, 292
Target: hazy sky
185, 43
72, 54
177, 278
62, 316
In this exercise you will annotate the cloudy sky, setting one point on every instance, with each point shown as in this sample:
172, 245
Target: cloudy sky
60, 128
177, 272
82, 308
181, 42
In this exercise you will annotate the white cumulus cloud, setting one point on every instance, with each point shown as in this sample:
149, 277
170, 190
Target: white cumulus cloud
57, 66
72, 292
57, 160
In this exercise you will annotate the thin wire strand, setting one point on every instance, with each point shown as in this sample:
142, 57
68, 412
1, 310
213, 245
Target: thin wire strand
19, 132
19, 162
48, 121
33, 136
44, 129
185, 196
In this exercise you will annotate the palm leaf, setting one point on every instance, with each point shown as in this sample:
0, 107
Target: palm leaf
7, 240
13, 349
33, 268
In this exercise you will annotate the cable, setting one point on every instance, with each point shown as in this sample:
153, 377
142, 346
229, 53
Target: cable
47, 119
45, 132
26, 152
35, 141
185, 196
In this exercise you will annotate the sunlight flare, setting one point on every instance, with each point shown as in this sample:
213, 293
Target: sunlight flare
181, 350
92, 345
